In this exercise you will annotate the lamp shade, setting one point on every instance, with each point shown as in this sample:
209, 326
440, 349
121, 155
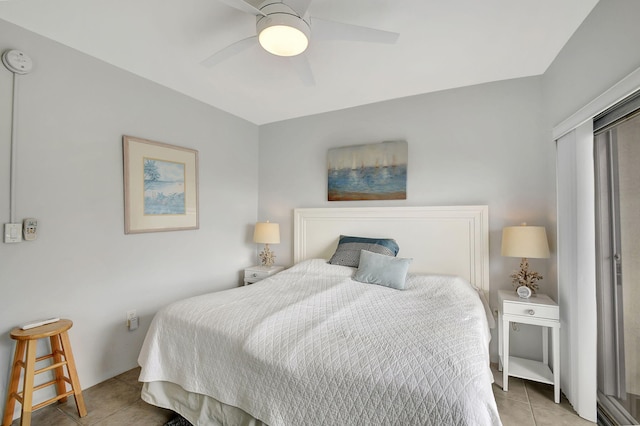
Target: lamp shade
266, 233
525, 241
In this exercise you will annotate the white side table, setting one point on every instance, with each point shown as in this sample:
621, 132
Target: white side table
254, 274
538, 310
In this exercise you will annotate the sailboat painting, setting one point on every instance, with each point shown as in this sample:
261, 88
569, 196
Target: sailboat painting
368, 172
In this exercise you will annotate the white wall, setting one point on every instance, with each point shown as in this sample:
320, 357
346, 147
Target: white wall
73, 111
602, 51
475, 145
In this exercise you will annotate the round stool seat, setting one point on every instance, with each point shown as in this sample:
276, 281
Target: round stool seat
42, 331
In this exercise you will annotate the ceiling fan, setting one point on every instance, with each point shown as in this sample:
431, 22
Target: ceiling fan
284, 29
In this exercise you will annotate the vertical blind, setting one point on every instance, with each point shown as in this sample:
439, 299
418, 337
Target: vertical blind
576, 268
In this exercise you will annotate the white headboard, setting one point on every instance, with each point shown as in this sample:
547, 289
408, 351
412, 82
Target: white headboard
452, 240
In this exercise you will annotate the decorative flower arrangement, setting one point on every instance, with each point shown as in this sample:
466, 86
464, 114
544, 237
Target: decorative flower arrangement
525, 277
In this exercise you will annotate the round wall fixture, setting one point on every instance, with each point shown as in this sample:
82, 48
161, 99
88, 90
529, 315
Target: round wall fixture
17, 62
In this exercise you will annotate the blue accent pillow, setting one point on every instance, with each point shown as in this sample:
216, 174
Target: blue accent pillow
348, 251
382, 270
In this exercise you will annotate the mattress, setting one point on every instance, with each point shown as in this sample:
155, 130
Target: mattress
312, 346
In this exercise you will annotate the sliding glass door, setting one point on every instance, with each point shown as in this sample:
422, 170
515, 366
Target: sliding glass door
617, 155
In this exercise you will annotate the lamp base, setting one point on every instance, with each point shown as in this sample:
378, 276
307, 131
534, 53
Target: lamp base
526, 278
267, 257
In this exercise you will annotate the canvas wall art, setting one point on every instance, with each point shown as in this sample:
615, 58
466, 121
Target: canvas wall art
368, 172
160, 186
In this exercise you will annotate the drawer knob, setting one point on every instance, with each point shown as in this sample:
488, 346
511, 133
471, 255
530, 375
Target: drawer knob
254, 275
531, 312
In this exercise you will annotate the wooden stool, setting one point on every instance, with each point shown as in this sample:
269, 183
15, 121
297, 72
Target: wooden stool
61, 355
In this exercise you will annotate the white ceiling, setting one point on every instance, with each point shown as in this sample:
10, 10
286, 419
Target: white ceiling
443, 44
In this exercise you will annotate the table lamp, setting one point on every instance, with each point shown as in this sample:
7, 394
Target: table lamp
525, 242
266, 233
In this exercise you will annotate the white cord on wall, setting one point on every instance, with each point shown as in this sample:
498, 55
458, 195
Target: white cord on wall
12, 165
18, 63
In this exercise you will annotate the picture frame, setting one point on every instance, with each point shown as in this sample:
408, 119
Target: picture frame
160, 186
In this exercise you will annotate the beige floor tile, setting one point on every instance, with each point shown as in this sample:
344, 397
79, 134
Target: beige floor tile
557, 416
516, 386
49, 416
514, 413
131, 378
542, 395
545, 411
103, 400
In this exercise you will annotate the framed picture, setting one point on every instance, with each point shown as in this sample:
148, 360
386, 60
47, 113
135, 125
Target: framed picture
376, 171
160, 186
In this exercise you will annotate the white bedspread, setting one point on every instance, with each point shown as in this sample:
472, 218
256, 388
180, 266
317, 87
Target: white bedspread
310, 346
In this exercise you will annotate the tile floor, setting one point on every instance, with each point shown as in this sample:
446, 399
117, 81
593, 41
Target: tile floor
531, 404
117, 402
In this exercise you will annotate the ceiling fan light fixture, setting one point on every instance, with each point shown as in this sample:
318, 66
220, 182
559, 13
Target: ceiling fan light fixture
282, 32
282, 40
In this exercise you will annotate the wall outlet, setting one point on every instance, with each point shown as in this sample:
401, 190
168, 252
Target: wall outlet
132, 320
133, 324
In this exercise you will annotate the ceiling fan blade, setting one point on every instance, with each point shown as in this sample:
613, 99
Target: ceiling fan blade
300, 6
229, 51
303, 68
242, 6
331, 30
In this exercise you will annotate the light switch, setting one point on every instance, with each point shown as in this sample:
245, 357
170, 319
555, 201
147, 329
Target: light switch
12, 232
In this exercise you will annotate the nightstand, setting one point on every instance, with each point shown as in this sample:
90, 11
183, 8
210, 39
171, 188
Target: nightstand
254, 274
538, 310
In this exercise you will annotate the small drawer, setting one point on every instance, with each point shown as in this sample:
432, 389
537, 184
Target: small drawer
532, 310
250, 274
258, 273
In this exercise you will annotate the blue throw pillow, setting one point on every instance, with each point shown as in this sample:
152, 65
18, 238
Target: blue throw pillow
382, 270
348, 251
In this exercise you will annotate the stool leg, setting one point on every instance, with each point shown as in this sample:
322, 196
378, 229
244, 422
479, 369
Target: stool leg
57, 352
73, 374
14, 382
27, 389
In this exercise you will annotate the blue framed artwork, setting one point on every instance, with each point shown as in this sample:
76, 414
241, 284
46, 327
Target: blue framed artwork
160, 186
368, 172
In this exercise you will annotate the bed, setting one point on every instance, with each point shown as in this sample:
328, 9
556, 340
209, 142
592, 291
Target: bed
313, 346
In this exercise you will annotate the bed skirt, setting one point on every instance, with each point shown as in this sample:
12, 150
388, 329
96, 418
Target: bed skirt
198, 409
